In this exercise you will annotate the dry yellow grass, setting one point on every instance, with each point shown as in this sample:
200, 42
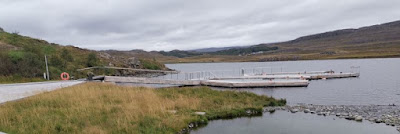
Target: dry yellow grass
107, 108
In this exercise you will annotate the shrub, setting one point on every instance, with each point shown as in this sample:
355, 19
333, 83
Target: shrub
92, 60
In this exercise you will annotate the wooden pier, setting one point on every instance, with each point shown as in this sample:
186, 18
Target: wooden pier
132, 69
282, 79
213, 83
118, 79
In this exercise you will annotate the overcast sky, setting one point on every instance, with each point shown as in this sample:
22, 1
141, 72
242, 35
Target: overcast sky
186, 24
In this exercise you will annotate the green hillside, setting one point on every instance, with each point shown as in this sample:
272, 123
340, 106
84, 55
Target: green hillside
23, 59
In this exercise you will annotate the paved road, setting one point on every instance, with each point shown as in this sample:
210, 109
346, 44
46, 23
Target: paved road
10, 92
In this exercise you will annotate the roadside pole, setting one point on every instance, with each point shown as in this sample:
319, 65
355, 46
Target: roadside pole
47, 68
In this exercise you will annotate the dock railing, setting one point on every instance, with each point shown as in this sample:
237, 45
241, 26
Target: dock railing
242, 72
210, 74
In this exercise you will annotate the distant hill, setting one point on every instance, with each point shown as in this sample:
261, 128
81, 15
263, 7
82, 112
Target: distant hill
367, 42
180, 54
219, 51
375, 33
23, 59
214, 49
375, 41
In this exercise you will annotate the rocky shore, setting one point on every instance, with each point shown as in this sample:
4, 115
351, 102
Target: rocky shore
388, 114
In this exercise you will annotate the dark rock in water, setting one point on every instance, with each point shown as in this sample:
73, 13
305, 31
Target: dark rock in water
350, 118
387, 114
271, 110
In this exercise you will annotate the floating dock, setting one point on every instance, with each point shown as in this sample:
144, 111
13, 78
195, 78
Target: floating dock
213, 83
264, 77
333, 75
305, 76
281, 79
255, 84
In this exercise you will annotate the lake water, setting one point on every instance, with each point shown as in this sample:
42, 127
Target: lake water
378, 84
288, 123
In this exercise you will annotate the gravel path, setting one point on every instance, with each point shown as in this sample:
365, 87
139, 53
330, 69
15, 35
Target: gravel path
10, 92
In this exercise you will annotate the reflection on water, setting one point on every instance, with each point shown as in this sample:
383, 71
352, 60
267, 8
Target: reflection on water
287, 123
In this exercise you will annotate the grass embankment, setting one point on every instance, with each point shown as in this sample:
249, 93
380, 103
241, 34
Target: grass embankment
107, 108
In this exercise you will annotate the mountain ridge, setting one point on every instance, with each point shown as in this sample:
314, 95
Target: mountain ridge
381, 40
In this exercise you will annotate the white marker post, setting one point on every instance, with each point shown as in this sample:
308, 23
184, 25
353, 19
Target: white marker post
47, 67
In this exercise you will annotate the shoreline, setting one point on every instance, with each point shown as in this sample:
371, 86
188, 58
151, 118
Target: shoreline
395, 57
376, 114
387, 114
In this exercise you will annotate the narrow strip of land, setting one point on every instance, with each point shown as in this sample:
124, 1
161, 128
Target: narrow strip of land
108, 108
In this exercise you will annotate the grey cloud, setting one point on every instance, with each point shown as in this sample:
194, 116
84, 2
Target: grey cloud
186, 24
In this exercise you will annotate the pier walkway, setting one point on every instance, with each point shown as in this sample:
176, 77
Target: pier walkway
235, 80
213, 83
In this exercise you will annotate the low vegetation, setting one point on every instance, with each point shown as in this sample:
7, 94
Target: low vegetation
180, 54
23, 59
232, 51
245, 51
152, 64
18, 79
107, 108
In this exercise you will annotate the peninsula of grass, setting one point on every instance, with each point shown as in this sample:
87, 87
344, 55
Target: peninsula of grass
107, 108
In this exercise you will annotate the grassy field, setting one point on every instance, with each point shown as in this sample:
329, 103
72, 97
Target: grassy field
107, 108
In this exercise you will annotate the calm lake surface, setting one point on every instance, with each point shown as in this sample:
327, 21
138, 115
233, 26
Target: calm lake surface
379, 84
288, 123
